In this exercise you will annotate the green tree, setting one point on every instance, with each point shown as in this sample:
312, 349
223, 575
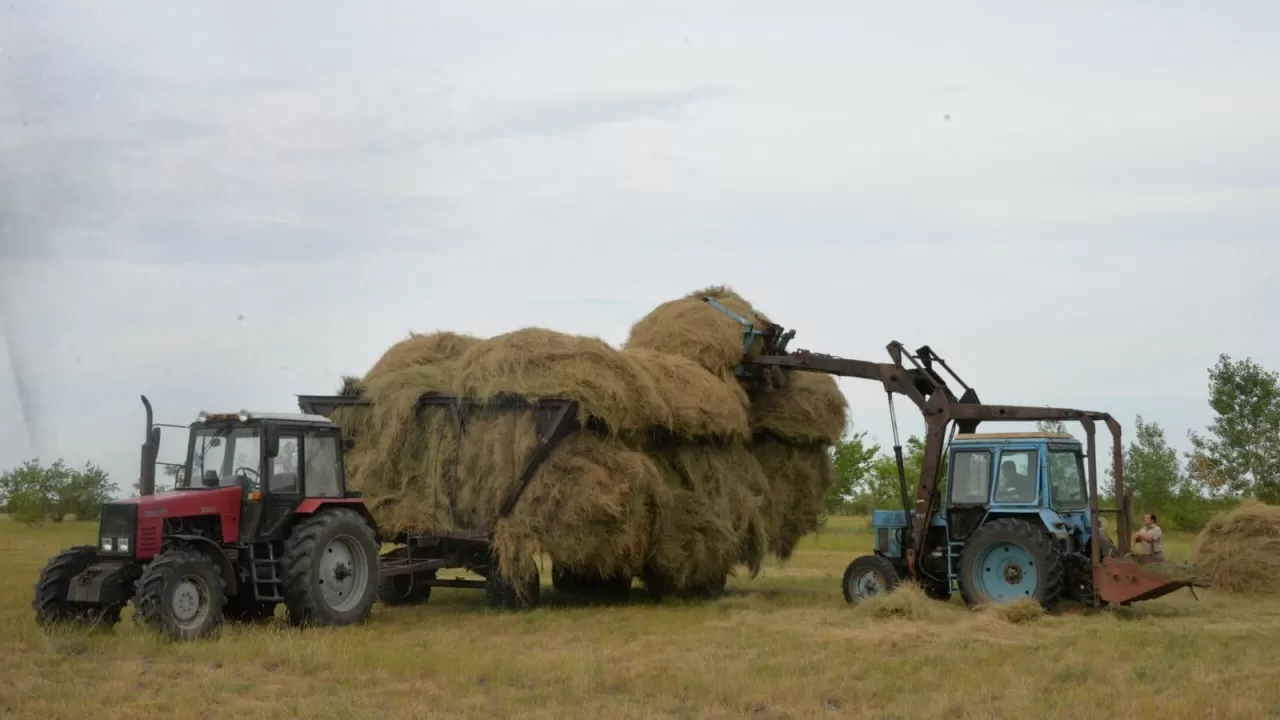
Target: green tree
853, 459
1052, 426
176, 473
1240, 454
32, 493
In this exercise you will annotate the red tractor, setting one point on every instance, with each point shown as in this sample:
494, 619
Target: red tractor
261, 516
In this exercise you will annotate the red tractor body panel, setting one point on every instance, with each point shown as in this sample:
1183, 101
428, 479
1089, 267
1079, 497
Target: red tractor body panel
153, 510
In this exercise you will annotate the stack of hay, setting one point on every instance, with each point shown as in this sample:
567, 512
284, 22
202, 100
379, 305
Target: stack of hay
1239, 551
682, 473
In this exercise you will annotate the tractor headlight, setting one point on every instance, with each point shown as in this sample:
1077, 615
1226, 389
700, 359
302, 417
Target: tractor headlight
108, 545
122, 544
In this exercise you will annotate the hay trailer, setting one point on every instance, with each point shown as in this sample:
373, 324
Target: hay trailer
1021, 518
409, 571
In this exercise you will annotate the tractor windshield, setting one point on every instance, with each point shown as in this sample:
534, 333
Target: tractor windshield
220, 454
1066, 480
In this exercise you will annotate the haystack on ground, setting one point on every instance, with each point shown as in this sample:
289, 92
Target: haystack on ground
1240, 551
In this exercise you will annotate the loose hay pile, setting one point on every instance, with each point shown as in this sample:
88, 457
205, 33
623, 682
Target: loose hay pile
681, 472
1240, 550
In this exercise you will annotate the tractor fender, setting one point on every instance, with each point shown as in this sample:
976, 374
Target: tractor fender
311, 506
214, 551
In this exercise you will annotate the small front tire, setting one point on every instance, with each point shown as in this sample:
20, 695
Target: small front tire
181, 594
867, 577
50, 602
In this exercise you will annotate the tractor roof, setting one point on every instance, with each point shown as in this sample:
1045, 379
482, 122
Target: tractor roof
251, 416
988, 437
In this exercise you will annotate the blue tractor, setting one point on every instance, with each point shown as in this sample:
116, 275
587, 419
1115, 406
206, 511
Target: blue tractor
1016, 523
1017, 515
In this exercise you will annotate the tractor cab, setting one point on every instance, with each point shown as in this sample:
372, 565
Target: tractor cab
1039, 475
275, 459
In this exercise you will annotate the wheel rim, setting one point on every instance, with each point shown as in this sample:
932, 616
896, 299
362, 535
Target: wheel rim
190, 602
865, 585
1006, 572
344, 573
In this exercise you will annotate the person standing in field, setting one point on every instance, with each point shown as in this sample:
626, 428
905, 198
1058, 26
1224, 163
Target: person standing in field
1147, 540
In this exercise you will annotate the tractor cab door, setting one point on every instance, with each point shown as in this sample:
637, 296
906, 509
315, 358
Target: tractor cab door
970, 472
281, 484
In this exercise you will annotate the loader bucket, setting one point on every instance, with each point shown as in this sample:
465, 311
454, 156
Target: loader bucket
1120, 582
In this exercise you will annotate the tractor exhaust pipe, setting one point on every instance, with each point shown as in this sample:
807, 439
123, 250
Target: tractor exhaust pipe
150, 450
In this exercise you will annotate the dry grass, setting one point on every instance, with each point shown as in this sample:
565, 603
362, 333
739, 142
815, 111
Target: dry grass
784, 645
1240, 550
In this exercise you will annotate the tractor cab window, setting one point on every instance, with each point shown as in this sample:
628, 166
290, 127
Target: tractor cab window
284, 467
320, 449
1066, 480
970, 477
223, 457
1016, 482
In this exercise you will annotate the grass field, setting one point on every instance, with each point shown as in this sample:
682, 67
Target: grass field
784, 645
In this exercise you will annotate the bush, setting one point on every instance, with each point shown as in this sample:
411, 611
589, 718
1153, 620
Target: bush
32, 494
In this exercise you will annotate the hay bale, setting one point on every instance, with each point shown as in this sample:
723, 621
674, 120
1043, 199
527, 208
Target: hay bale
692, 328
1240, 551
807, 408
421, 349
630, 392
799, 477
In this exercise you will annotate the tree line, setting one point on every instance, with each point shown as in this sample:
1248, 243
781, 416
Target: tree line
1237, 456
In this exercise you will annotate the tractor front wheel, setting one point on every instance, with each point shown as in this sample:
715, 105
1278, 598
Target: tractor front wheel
1010, 559
867, 577
331, 569
181, 594
51, 604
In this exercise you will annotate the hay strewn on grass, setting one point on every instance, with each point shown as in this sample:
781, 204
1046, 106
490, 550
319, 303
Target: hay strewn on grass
1240, 551
680, 476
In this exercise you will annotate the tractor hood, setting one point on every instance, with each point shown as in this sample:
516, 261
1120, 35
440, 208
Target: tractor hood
186, 503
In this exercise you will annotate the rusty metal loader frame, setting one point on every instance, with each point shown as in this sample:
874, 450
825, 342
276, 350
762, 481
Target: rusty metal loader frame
424, 554
1114, 580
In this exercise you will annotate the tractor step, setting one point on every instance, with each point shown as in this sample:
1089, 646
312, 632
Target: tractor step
268, 584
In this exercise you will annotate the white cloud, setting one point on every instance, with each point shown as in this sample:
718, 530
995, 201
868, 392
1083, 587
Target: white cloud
1091, 226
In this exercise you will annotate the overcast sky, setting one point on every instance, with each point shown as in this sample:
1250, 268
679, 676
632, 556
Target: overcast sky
222, 205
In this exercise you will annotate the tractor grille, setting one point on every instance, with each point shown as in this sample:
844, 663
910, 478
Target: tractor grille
119, 520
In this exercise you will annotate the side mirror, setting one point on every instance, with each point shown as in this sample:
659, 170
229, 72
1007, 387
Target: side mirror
273, 440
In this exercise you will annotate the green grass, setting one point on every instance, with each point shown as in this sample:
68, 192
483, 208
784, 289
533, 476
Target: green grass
782, 645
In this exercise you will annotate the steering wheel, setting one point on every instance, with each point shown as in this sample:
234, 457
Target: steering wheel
242, 472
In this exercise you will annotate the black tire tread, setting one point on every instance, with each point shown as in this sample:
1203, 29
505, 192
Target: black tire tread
48, 601
147, 602
1037, 542
298, 579
874, 563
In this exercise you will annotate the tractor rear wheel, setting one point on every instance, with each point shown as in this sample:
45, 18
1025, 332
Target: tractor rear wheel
330, 569
1009, 559
868, 576
181, 594
51, 604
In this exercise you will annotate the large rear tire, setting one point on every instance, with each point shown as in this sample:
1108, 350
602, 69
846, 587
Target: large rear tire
50, 603
331, 569
868, 576
1010, 559
181, 595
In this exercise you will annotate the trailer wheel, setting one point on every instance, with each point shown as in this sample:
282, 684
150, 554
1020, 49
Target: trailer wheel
1010, 559
498, 593
50, 602
866, 577
330, 569
181, 594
